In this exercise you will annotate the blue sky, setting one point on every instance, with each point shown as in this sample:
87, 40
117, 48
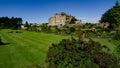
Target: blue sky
39, 11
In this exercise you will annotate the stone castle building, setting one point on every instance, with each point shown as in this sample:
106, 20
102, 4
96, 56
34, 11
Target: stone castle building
60, 19
103, 24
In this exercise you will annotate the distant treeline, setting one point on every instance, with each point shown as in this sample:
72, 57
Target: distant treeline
11, 23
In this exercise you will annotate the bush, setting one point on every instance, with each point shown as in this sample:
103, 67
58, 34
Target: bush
118, 49
76, 53
116, 36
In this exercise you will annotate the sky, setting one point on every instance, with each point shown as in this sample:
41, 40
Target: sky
39, 11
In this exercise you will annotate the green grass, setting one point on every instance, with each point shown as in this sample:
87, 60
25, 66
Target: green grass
107, 43
24, 49
30, 48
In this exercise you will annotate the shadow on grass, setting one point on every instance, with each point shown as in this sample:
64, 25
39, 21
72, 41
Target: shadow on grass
2, 44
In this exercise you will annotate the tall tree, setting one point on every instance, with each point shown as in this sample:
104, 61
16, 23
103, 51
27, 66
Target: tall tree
26, 24
112, 16
117, 3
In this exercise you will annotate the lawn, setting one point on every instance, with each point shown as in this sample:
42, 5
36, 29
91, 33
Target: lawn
30, 48
105, 42
24, 49
110, 45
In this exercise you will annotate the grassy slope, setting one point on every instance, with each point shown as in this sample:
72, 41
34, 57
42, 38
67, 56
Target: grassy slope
107, 43
102, 41
25, 48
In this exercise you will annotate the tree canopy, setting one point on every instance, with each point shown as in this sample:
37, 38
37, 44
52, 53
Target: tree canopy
73, 20
112, 16
13, 23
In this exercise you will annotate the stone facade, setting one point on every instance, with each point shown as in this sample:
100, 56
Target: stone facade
23, 27
78, 22
104, 25
61, 19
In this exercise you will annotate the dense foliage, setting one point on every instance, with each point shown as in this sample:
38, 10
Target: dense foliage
73, 20
118, 49
80, 54
116, 36
112, 16
12, 23
45, 28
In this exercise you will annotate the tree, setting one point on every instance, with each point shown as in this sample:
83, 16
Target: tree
12, 23
116, 36
117, 3
45, 28
27, 25
118, 49
76, 53
19, 22
70, 30
112, 16
73, 20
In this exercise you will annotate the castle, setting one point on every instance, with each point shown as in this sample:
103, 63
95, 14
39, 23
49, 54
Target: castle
60, 19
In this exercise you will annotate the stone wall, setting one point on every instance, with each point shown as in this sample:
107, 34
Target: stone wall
60, 19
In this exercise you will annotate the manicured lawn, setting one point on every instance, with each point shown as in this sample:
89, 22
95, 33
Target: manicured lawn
30, 48
25, 49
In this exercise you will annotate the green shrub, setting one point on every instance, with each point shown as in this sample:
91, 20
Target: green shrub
118, 48
76, 53
116, 36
